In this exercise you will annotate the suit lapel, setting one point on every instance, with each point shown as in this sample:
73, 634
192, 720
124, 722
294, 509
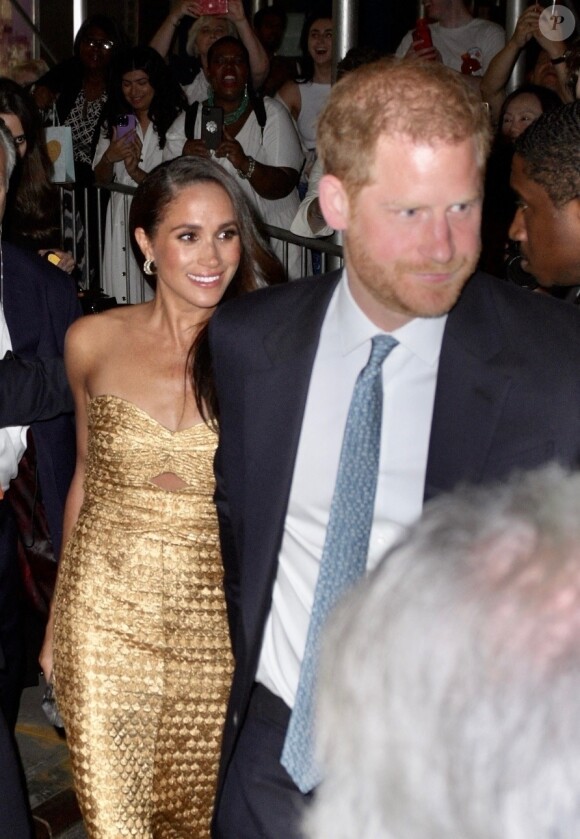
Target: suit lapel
275, 397
470, 393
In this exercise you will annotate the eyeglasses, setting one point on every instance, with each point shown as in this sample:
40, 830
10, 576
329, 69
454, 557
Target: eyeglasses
19, 140
99, 44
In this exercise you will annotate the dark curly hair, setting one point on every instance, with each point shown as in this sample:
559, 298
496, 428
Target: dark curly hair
550, 148
168, 100
258, 265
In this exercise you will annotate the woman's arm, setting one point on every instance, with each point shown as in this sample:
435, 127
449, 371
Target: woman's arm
163, 38
78, 359
103, 165
259, 62
497, 75
289, 95
110, 152
270, 182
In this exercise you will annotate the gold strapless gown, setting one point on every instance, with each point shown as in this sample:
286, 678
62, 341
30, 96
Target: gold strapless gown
142, 652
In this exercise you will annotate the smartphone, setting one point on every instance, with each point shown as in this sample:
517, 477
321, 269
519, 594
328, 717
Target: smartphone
213, 7
125, 123
212, 125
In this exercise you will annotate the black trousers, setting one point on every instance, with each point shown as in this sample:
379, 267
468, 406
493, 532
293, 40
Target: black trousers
12, 645
14, 811
259, 798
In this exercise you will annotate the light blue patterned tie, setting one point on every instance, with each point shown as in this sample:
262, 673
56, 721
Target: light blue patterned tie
344, 555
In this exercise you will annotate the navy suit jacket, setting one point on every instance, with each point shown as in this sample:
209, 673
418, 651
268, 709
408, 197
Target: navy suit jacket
40, 303
507, 397
33, 389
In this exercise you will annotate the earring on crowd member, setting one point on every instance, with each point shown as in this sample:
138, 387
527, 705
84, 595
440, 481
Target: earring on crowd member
149, 267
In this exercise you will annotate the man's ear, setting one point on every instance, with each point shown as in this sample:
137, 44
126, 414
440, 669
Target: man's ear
334, 202
143, 241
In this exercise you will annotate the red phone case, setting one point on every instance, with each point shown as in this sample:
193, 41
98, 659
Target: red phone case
214, 7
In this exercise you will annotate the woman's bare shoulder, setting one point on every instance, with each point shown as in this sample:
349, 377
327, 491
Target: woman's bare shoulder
102, 331
289, 94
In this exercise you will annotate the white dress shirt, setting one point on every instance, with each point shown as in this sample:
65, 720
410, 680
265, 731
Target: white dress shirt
409, 380
13, 439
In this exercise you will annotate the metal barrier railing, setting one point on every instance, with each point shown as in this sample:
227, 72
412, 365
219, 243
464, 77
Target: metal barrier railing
90, 257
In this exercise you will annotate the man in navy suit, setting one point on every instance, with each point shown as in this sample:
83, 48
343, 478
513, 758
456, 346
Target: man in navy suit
37, 304
485, 378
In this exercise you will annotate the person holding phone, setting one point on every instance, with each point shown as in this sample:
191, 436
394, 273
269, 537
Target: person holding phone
206, 30
259, 144
143, 101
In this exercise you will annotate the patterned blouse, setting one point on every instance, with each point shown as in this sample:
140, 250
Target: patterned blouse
83, 119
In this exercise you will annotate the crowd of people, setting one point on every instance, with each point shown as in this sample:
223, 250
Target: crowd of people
248, 449
259, 142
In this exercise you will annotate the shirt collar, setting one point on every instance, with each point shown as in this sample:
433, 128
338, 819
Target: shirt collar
421, 336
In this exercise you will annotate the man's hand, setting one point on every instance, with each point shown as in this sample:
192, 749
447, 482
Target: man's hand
425, 54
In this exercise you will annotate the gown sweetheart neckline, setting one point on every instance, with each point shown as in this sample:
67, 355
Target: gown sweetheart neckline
144, 413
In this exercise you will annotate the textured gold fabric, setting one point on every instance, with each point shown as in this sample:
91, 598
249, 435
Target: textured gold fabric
142, 653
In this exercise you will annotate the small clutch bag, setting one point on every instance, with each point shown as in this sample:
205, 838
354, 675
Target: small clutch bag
50, 707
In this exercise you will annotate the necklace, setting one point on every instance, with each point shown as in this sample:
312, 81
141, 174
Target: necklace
235, 115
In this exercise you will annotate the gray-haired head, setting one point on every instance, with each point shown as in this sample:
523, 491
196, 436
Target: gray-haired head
7, 145
450, 678
197, 27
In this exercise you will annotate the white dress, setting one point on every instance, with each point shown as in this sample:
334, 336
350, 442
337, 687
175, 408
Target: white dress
313, 96
114, 275
279, 146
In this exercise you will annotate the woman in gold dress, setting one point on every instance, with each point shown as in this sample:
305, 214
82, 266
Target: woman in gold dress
139, 631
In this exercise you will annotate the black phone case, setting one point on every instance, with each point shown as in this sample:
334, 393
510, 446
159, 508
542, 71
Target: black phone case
212, 123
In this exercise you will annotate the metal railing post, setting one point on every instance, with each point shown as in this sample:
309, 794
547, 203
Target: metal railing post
514, 9
345, 24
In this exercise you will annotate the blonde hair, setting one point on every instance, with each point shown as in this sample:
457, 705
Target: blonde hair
194, 31
418, 100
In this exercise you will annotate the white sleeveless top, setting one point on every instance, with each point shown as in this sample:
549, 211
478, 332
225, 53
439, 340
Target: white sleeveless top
313, 97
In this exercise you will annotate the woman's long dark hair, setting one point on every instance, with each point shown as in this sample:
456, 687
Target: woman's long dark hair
258, 265
33, 202
168, 100
323, 10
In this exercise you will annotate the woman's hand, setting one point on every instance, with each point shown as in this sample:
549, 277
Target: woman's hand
185, 7
236, 11
230, 148
527, 26
196, 148
132, 157
45, 658
119, 147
